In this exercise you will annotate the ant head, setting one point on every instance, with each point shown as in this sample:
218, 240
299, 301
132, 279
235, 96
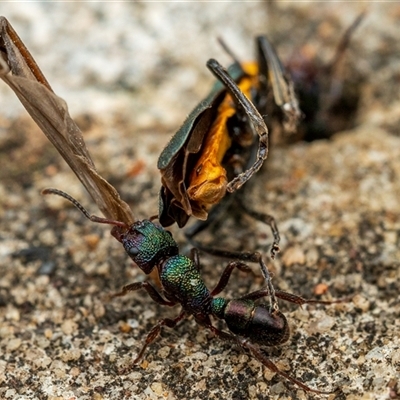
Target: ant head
148, 244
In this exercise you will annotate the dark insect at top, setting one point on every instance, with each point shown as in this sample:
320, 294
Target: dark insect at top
328, 101
216, 143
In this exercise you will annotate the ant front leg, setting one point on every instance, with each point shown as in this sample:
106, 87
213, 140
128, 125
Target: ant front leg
149, 289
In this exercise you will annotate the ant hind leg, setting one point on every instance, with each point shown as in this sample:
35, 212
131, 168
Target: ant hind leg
256, 352
244, 344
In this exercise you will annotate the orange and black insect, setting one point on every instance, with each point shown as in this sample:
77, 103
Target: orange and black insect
214, 151
216, 144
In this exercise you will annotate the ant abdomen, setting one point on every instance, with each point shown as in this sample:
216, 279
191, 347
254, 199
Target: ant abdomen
256, 322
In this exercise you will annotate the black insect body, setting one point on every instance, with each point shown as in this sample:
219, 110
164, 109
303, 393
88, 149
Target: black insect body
150, 246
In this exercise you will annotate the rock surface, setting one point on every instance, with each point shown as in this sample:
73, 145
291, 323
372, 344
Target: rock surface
130, 73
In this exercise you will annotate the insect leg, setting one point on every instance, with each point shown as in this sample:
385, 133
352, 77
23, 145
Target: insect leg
344, 44
254, 117
290, 297
149, 289
256, 352
223, 281
155, 331
272, 72
244, 344
266, 219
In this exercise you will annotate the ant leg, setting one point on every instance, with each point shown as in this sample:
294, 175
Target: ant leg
155, 331
149, 289
223, 281
290, 297
293, 298
215, 213
266, 219
255, 351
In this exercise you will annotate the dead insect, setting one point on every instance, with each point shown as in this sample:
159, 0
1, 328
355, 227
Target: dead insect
216, 143
149, 245
214, 150
193, 175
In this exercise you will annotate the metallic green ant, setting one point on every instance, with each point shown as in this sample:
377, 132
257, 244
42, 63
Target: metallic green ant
150, 246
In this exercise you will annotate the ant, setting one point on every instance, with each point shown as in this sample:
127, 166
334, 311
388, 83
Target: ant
150, 247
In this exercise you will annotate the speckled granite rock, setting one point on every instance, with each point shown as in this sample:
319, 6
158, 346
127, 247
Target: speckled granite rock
130, 73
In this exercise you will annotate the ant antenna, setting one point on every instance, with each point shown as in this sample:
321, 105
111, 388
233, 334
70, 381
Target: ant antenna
83, 210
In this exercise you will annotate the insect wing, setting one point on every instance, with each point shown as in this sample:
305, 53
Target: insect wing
194, 120
176, 160
174, 202
19, 70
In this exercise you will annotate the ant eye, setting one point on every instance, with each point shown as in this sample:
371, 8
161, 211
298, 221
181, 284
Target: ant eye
133, 251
